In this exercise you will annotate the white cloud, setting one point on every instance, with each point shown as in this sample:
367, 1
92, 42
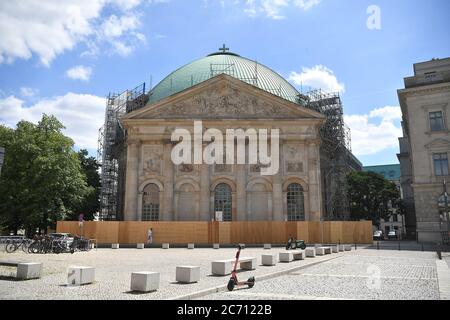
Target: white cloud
370, 137
306, 4
273, 8
79, 73
318, 77
28, 92
47, 28
81, 114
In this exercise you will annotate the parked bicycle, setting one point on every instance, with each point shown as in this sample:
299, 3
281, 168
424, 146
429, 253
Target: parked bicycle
12, 246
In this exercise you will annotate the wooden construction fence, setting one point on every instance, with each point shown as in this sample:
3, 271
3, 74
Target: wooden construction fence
129, 232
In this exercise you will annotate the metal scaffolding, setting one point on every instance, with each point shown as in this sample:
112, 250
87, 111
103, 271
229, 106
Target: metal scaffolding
111, 150
336, 159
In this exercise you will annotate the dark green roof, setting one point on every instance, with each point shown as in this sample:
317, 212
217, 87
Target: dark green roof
389, 171
223, 62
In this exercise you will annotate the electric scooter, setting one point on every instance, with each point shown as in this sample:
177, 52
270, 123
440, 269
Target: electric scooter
234, 280
294, 244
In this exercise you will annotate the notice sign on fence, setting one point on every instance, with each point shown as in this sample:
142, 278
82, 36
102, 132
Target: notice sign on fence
219, 215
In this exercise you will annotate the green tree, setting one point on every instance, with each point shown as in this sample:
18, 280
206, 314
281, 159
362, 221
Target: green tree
91, 202
42, 180
371, 196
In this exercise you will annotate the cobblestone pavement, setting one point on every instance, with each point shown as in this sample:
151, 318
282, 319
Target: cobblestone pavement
402, 275
113, 270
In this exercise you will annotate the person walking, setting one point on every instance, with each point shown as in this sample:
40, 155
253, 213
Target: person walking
150, 236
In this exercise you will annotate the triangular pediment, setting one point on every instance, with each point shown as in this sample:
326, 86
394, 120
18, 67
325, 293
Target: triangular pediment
223, 97
438, 144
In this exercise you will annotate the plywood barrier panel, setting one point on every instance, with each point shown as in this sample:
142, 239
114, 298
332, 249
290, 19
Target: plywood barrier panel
278, 234
335, 232
315, 229
107, 232
225, 232
303, 231
348, 232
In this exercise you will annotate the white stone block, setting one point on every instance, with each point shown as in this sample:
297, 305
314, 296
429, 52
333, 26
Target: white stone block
341, 247
347, 247
335, 249
267, 246
286, 256
165, 246
140, 246
115, 246
247, 263
310, 252
216, 246
327, 250
145, 281
269, 259
29, 270
221, 267
187, 274
191, 246
79, 275
298, 255
320, 251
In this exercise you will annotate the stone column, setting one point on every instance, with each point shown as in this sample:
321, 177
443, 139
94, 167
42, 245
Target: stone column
132, 180
205, 194
277, 192
168, 198
314, 194
241, 192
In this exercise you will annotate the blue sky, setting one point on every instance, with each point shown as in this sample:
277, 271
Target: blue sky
64, 57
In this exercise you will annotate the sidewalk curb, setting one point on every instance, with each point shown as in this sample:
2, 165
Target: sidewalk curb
217, 289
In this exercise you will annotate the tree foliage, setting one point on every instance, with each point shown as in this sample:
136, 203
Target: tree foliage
371, 196
91, 203
42, 180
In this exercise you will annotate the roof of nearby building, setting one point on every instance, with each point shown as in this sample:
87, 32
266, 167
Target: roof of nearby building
389, 171
229, 63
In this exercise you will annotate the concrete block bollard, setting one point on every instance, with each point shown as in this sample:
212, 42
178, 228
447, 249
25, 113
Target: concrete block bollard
80, 275
140, 246
115, 246
267, 246
145, 281
188, 274
216, 246
269, 259
191, 246
165, 246
286, 256
29, 270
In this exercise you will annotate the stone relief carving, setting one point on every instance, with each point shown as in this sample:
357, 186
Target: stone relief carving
223, 103
294, 166
293, 159
185, 168
152, 159
222, 168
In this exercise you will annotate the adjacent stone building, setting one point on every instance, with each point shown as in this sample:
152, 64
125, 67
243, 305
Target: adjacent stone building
425, 147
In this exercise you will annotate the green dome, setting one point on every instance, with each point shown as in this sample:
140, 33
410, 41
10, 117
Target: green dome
223, 62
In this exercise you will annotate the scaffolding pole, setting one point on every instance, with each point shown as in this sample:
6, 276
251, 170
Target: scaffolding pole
111, 151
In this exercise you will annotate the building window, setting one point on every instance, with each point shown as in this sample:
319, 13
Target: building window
150, 203
395, 218
222, 201
295, 203
440, 164
436, 121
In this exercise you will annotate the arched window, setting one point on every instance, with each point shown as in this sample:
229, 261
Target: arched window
222, 201
150, 203
295, 203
